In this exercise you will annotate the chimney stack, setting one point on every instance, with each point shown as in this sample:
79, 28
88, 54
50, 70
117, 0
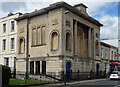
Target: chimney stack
9, 14
82, 8
35, 9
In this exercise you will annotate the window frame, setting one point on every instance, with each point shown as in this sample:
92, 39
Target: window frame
102, 53
106, 54
12, 25
4, 27
6, 61
12, 43
4, 44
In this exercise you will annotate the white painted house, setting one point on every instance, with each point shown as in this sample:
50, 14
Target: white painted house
8, 36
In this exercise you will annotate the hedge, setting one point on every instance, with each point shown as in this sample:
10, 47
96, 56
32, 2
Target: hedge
6, 73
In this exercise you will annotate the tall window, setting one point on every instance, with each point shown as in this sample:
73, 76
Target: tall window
101, 52
12, 43
4, 44
31, 67
97, 47
106, 54
54, 41
34, 36
38, 36
6, 61
112, 55
68, 42
12, 25
4, 28
21, 47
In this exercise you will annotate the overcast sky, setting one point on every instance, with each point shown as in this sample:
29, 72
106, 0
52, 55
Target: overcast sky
105, 12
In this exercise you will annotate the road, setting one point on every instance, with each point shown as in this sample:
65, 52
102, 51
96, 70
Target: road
106, 83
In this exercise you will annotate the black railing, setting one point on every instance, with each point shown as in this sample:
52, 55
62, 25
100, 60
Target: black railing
68, 76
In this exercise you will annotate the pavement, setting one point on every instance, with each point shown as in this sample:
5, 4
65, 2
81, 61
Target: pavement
71, 83
82, 82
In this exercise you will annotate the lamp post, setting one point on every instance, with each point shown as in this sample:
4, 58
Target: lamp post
14, 67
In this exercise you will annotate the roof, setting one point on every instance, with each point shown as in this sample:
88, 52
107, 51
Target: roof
59, 5
11, 15
112, 42
104, 44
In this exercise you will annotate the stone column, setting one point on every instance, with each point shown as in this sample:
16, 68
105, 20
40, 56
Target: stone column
89, 42
40, 66
34, 67
92, 41
94, 44
75, 38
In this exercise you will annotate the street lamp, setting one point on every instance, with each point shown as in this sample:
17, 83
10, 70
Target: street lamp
14, 67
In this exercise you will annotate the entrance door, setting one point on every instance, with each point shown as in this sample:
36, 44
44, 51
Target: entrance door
43, 67
97, 70
68, 70
31, 67
38, 67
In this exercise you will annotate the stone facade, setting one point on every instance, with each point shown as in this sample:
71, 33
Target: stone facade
58, 38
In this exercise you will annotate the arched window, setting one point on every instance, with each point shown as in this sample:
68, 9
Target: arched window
68, 42
21, 46
97, 47
54, 41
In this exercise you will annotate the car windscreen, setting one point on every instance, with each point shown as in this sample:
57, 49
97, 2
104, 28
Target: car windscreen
114, 72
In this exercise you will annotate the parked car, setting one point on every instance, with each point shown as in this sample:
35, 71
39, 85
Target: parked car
115, 75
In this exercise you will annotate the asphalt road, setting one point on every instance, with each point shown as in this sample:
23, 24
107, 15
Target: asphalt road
106, 83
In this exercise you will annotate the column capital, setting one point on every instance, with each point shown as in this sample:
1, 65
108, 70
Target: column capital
76, 21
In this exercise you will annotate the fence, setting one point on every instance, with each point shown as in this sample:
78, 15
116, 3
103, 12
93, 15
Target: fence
61, 76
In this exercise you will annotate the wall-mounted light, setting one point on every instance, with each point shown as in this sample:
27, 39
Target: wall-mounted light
66, 12
47, 55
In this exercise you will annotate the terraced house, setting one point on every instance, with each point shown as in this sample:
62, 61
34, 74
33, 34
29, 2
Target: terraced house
108, 53
8, 40
58, 38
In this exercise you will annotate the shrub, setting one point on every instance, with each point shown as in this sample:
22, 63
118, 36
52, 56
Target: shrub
6, 73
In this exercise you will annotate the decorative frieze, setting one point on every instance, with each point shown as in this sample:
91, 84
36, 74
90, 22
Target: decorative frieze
55, 22
21, 30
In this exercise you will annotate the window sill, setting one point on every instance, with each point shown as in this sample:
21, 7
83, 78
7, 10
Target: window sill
12, 30
106, 58
20, 53
4, 32
38, 45
68, 50
12, 49
97, 54
3, 50
54, 50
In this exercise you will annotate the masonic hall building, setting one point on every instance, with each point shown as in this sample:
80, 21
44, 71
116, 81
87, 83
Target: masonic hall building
58, 38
